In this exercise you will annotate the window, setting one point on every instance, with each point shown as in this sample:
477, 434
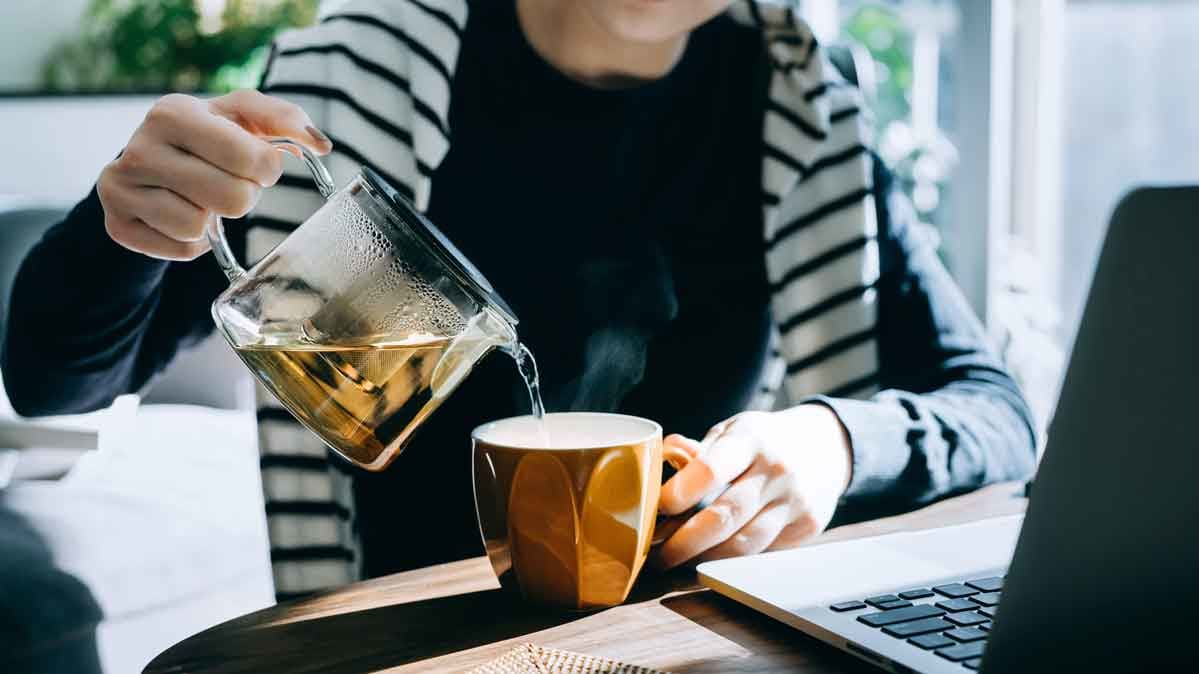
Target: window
1103, 100
1131, 111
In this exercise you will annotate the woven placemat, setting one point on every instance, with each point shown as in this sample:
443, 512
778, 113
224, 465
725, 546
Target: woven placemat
534, 659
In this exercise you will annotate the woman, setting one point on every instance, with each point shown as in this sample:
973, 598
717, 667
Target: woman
656, 186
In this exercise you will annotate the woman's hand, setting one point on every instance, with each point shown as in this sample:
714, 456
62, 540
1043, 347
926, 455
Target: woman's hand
784, 472
191, 158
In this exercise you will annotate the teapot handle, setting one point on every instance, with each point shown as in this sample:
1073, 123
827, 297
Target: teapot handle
216, 228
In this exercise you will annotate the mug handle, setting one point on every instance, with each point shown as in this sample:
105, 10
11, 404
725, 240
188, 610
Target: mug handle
676, 457
216, 228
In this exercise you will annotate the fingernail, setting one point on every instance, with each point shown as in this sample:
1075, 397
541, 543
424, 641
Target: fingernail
317, 135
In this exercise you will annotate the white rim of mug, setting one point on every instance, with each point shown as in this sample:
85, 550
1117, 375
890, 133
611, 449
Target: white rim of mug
655, 430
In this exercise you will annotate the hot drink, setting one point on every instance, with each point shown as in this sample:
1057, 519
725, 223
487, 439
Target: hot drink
358, 399
567, 503
527, 366
366, 399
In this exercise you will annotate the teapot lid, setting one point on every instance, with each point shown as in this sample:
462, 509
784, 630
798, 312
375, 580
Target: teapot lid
438, 243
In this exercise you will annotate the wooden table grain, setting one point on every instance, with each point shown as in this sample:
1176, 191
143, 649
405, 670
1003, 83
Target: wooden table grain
452, 617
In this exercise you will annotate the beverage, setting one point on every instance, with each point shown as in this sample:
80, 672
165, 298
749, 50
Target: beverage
363, 400
527, 366
567, 503
365, 397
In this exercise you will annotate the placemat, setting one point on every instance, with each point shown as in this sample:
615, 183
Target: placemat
533, 659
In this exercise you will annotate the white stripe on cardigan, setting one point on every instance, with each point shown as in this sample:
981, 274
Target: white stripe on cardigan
811, 122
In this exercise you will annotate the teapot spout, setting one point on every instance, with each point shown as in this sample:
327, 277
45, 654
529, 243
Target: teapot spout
485, 331
501, 328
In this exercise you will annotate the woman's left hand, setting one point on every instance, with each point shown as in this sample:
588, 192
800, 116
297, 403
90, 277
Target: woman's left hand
784, 472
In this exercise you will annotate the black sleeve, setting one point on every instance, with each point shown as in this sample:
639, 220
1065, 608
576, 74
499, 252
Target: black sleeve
90, 320
950, 418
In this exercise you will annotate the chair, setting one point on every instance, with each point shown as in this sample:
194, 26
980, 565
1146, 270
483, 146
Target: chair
153, 537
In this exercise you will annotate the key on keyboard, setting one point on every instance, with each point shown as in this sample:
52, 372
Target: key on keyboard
920, 593
900, 615
989, 611
880, 599
993, 584
898, 603
847, 606
955, 590
911, 629
962, 651
966, 619
930, 641
966, 634
957, 604
988, 599
973, 664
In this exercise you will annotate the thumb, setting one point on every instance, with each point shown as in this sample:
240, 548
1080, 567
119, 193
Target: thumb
691, 447
270, 117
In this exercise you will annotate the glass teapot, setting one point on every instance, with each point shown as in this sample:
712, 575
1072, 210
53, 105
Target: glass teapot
363, 320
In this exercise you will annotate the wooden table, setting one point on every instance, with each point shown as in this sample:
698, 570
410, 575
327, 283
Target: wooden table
452, 617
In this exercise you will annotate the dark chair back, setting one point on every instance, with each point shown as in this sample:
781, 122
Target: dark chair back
20, 229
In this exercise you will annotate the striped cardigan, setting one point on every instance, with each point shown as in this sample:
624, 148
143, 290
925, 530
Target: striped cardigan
376, 77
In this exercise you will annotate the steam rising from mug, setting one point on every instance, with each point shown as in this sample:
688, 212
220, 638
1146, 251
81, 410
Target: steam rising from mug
630, 300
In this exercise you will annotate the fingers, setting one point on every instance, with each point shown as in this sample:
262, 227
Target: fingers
678, 451
718, 522
168, 213
140, 238
192, 158
684, 443
664, 528
153, 221
186, 123
192, 178
779, 495
795, 533
757, 535
726, 454
267, 116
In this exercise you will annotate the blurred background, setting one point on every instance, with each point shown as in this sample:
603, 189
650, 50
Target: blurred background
1014, 124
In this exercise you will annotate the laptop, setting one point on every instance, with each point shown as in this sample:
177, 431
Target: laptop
1102, 571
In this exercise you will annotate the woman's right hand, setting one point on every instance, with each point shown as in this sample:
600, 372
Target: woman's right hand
192, 158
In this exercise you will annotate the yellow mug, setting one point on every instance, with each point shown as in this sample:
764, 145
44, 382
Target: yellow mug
567, 505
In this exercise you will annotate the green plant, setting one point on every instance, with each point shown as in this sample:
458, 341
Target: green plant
170, 45
883, 32
922, 159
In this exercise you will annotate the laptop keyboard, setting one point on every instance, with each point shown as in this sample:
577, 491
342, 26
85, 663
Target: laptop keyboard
954, 622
